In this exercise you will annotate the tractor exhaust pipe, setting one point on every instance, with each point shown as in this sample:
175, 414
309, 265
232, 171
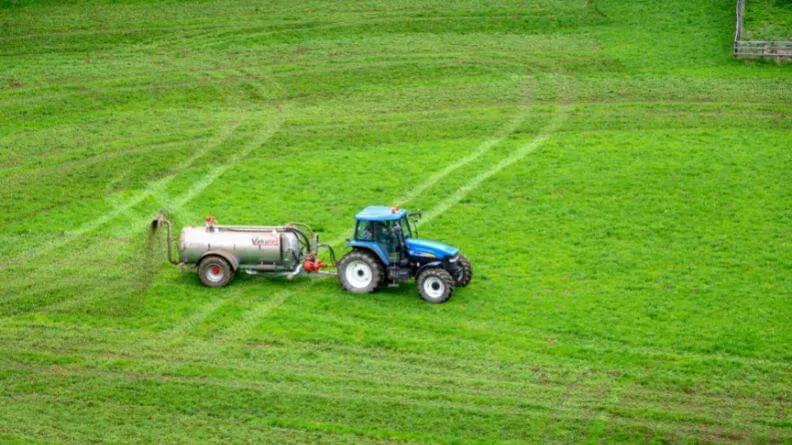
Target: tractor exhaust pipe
158, 221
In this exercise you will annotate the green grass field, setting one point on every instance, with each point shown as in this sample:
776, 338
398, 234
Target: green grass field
620, 183
768, 20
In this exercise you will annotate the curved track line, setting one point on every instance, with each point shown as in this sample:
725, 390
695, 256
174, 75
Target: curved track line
483, 148
211, 176
151, 189
175, 334
90, 160
249, 319
515, 156
204, 182
200, 185
216, 172
197, 187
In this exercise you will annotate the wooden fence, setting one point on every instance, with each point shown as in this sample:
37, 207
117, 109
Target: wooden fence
757, 49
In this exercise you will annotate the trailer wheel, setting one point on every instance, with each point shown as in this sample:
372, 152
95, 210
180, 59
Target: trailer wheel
360, 272
215, 271
435, 285
466, 271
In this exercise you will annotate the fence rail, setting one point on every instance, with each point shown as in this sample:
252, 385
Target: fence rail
756, 49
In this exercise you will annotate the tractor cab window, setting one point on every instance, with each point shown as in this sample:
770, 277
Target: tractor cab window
386, 236
364, 231
380, 231
383, 233
405, 227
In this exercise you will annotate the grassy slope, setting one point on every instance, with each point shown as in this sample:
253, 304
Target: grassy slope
768, 20
629, 222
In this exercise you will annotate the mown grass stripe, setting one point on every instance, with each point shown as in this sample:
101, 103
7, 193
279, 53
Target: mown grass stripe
694, 424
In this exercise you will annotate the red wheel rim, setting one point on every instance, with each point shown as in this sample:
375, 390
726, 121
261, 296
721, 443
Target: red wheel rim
215, 270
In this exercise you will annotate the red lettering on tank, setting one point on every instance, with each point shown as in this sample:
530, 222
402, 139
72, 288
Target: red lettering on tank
266, 241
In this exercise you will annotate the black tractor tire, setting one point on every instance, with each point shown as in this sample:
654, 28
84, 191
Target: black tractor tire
360, 272
467, 271
215, 271
435, 285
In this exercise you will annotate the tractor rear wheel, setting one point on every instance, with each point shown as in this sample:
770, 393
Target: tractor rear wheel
467, 271
215, 271
360, 272
435, 285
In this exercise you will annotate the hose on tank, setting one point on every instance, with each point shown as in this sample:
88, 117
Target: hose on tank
161, 220
332, 253
299, 233
305, 227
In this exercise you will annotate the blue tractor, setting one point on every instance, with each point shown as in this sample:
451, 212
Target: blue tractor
386, 252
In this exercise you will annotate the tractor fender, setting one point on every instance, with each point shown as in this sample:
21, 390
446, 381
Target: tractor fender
370, 246
429, 265
224, 254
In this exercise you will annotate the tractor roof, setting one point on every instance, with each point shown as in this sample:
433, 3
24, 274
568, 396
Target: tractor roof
381, 213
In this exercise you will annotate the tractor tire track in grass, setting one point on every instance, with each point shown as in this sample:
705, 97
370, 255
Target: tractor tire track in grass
195, 189
395, 382
179, 205
256, 389
153, 190
156, 188
483, 148
129, 203
241, 329
179, 332
558, 119
198, 186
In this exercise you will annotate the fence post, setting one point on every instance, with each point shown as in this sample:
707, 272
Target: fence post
738, 26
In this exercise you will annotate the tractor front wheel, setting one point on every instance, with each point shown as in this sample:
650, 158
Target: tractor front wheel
360, 272
466, 271
435, 285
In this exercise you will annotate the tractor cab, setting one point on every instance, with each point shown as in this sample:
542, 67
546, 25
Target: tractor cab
385, 250
390, 232
384, 230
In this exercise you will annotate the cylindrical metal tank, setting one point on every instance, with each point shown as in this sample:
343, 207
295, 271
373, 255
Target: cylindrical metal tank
268, 247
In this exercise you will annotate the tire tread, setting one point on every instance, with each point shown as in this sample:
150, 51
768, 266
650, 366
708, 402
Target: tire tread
377, 270
464, 263
439, 273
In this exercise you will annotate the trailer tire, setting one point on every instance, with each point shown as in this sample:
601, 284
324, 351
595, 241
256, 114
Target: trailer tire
467, 271
215, 271
435, 285
360, 272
